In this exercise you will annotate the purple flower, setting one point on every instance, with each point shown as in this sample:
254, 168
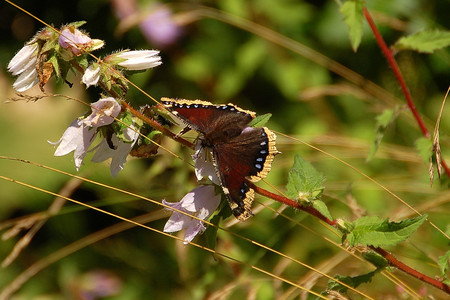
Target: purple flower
103, 112
159, 27
119, 154
78, 42
24, 65
78, 137
81, 133
138, 59
201, 202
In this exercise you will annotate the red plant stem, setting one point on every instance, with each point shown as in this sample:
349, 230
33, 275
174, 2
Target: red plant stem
309, 209
401, 266
398, 74
394, 262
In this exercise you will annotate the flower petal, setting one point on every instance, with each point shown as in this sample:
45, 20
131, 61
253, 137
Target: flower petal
103, 112
119, 154
204, 166
26, 80
78, 138
91, 75
201, 202
23, 59
139, 59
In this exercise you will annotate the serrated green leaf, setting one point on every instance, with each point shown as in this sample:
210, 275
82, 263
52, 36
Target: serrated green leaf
444, 262
376, 259
383, 121
354, 282
304, 183
425, 148
426, 41
54, 61
260, 121
373, 231
322, 208
353, 17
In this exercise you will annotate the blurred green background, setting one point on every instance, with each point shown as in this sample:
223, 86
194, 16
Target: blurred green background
206, 56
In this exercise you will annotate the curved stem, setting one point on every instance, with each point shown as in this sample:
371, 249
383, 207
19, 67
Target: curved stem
394, 262
401, 81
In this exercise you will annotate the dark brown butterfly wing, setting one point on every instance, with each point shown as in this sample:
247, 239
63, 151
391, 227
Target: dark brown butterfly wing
209, 118
248, 156
240, 152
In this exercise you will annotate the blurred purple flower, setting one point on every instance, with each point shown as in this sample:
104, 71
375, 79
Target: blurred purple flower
157, 25
160, 28
99, 284
201, 202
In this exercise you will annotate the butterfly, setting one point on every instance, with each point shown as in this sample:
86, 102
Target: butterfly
240, 152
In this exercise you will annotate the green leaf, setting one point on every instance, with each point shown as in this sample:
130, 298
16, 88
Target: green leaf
426, 41
211, 232
383, 121
373, 231
250, 56
152, 135
54, 61
353, 17
425, 148
305, 184
76, 24
350, 281
444, 262
376, 259
260, 121
322, 208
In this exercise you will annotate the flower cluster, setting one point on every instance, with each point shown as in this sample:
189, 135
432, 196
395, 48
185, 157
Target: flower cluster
82, 132
54, 53
201, 202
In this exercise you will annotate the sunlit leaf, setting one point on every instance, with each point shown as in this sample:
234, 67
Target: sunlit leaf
260, 121
424, 146
305, 183
353, 17
444, 262
426, 41
322, 208
373, 231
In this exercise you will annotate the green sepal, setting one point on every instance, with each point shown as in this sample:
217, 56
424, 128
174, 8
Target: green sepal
260, 121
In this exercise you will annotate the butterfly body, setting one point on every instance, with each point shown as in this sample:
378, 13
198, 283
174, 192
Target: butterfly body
240, 152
